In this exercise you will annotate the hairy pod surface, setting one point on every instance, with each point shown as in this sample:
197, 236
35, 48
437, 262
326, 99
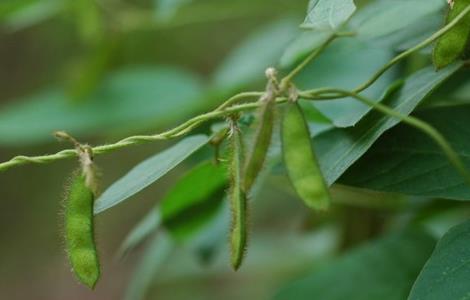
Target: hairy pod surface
79, 232
261, 141
238, 202
300, 161
452, 44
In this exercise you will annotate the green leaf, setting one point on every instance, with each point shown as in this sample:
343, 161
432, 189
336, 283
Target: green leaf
382, 18
140, 232
406, 161
20, 14
166, 9
194, 199
153, 258
445, 275
87, 19
416, 33
212, 238
130, 99
186, 208
346, 64
338, 149
246, 64
149, 171
302, 45
383, 269
10, 7
89, 71
328, 14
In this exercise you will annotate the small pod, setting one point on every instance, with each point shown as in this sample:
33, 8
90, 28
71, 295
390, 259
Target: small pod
79, 232
300, 161
261, 141
238, 201
452, 44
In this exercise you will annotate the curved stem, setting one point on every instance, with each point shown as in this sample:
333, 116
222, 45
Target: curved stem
410, 51
228, 108
180, 130
429, 130
288, 78
238, 97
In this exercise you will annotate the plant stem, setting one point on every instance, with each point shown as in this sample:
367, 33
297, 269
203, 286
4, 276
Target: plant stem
180, 130
410, 51
288, 78
429, 130
317, 94
239, 97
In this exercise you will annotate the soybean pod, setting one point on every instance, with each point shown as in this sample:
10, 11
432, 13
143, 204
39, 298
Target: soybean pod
238, 201
261, 141
452, 44
79, 232
300, 160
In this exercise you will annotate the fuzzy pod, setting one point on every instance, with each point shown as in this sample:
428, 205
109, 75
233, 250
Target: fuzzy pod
453, 44
261, 141
79, 232
238, 202
300, 160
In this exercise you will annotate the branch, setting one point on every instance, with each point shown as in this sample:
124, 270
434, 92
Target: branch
429, 130
178, 131
228, 108
410, 51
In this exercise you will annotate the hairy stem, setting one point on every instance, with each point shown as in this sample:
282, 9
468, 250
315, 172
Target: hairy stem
229, 108
137, 139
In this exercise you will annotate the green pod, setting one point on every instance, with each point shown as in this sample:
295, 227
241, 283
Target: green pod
262, 139
79, 232
452, 44
238, 202
300, 161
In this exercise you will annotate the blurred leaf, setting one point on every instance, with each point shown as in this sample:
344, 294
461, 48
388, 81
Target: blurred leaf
413, 35
317, 122
445, 275
8, 8
302, 45
194, 199
92, 69
165, 9
246, 64
384, 269
216, 14
155, 255
453, 92
407, 161
382, 18
338, 149
140, 232
149, 171
131, 99
88, 19
188, 206
20, 14
346, 64
210, 239
328, 14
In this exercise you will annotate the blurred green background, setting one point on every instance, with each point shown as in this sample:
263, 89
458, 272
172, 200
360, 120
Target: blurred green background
103, 70
106, 69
